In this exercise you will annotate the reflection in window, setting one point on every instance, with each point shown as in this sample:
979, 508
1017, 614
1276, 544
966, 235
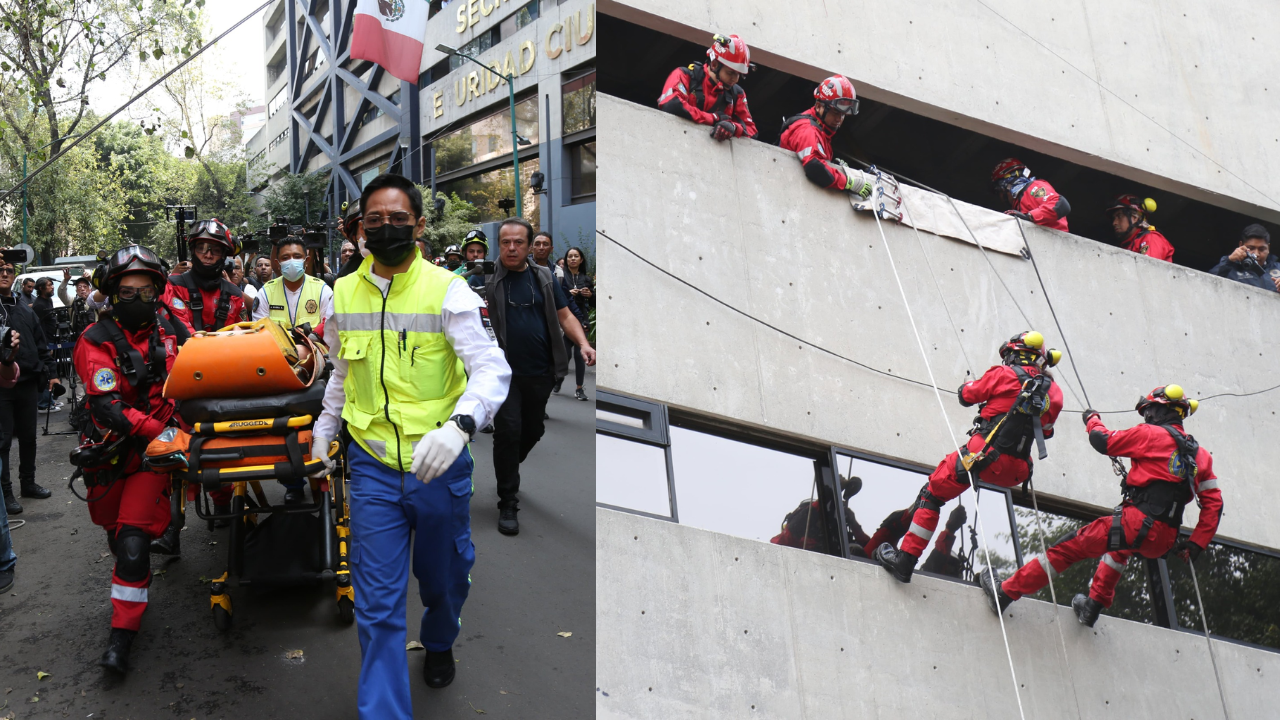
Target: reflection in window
519, 19
740, 489
277, 103
578, 100
582, 158
482, 42
486, 139
632, 475
882, 510
486, 189
1133, 593
1241, 590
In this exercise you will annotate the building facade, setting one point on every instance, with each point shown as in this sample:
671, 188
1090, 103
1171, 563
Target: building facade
763, 350
451, 130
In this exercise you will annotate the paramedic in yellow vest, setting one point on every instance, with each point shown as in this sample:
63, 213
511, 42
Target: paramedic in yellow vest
416, 371
294, 297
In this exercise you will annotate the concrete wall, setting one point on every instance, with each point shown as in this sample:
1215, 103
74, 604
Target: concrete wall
695, 624
739, 220
1203, 71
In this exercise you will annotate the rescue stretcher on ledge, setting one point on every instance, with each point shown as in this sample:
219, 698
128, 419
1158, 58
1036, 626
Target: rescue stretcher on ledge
251, 393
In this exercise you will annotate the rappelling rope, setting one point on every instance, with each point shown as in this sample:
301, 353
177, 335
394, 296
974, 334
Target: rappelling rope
1204, 620
968, 366
977, 514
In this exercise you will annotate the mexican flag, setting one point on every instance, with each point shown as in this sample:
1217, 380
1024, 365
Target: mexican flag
390, 33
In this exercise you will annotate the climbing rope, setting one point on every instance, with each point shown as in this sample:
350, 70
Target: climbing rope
1204, 623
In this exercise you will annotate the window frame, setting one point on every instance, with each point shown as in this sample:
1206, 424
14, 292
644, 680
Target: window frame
656, 433
1199, 631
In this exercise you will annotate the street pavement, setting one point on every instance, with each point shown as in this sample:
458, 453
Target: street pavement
511, 661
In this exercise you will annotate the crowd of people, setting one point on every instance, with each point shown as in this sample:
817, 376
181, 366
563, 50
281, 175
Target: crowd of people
481, 345
708, 93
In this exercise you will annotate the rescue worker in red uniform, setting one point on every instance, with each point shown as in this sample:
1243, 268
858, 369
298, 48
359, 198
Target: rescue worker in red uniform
803, 527
1129, 221
1169, 469
123, 361
708, 93
940, 559
809, 135
203, 300
1020, 403
1031, 199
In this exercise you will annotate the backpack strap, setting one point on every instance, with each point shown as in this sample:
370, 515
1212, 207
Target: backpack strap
140, 373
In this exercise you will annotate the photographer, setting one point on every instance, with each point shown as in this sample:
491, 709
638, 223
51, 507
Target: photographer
9, 374
43, 307
82, 313
18, 403
1252, 262
475, 248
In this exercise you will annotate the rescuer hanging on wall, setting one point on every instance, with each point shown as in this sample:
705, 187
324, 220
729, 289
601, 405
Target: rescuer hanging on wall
1031, 199
1129, 221
1020, 403
940, 560
809, 135
1169, 469
123, 361
708, 93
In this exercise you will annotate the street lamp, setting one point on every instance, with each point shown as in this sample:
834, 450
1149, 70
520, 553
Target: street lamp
25, 184
515, 138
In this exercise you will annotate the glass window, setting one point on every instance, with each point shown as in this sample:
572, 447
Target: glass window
1133, 593
487, 138
745, 490
520, 18
881, 511
578, 102
371, 173
632, 475
481, 43
485, 190
1241, 590
277, 103
582, 160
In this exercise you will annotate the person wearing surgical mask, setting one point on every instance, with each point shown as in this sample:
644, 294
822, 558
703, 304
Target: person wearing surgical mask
294, 297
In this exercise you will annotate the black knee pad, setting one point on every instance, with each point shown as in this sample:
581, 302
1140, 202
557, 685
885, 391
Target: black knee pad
929, 501
111, 541
133, 554
1069, 536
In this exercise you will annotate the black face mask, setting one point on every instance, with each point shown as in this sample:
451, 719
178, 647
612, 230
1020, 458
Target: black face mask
390, 244
134, 314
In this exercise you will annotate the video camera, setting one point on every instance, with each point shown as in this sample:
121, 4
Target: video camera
182, 215
482, 267
7, 353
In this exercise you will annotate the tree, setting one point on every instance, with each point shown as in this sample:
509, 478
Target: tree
301, 198
455, 222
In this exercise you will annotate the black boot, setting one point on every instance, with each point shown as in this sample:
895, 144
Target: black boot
294, 496
1087, 609
996, 598
439, 668
30, 489
170, 543
117, 655
11, 504
899, 564
221, 510
507, 522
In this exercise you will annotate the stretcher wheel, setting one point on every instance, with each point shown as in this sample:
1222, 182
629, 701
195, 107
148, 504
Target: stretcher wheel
221, 618
346, 610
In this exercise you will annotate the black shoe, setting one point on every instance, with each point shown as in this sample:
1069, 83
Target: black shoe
6, 581
439, 668
33, 490
11, 504
487, 429
507, 522
580, 395
294, 496
899, 564
117, 655
170, 543
1087, 609
996, 597
221, 510
556, 388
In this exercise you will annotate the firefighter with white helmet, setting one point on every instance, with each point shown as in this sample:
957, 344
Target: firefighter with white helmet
708, 93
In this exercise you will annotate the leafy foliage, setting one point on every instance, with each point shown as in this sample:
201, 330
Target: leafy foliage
299, 197
455, 222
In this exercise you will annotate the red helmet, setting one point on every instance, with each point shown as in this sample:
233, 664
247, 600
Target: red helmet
131, 259
214, 230
1009, 168
732, 52
1171, 395
1133, 202
836, 93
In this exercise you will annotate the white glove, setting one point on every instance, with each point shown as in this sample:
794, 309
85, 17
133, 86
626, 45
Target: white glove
437, 450
320, 449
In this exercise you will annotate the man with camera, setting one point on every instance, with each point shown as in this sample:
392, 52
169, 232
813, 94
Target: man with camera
18, 403
1252, 262
9, 374
44, 310
82, 314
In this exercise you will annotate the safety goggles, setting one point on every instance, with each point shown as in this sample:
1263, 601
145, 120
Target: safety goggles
208, 227
844, 106
126, 255
201, 248
127, 294
398, 219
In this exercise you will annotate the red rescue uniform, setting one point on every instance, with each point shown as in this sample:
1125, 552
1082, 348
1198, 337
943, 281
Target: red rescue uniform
138, 500
1146, 241
694, 93
1043, 205
1151, 448
998, 388
810, 139
178, 295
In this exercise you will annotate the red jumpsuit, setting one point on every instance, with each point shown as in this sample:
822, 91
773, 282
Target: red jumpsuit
704, 104
139, 499
1146, 241
1151, 448
177, 298
895, 526
998, 388
810, 140
1044, 205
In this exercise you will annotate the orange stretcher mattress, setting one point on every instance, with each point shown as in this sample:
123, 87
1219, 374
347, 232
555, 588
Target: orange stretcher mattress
244, 360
